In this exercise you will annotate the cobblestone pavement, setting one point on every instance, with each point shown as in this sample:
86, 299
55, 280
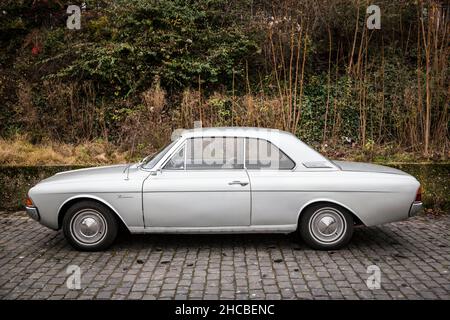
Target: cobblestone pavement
414, 258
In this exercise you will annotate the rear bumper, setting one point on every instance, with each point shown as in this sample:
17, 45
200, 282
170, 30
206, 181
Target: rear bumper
33, 213
416, 207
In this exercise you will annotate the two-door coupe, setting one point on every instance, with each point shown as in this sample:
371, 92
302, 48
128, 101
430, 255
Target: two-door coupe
214, 180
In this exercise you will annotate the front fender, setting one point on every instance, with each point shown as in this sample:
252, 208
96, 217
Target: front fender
71, 200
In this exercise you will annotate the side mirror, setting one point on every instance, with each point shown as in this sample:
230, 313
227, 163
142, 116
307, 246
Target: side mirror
156, 172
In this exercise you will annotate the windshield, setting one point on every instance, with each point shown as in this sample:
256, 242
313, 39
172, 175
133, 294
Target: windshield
151, 161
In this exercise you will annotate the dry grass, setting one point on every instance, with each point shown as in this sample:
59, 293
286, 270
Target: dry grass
19, 151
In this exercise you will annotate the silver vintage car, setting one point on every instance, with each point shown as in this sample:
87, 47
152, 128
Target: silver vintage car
225, 180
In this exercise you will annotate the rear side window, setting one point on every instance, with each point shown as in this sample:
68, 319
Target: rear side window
261, 154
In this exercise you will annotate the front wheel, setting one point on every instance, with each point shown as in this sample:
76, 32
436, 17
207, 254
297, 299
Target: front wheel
326, 226
89, 226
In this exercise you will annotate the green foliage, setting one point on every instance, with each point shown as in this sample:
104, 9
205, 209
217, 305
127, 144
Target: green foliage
131, 42
222, 107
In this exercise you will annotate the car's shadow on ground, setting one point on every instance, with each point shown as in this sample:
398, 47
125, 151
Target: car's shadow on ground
202, 240
363, 237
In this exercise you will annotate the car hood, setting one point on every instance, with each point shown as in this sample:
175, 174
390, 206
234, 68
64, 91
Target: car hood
366, 167
95, 173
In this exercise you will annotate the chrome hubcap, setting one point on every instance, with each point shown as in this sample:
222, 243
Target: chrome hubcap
327, 225
88, 226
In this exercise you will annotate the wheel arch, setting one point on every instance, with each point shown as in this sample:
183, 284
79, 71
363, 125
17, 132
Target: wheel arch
71, 201
355, 217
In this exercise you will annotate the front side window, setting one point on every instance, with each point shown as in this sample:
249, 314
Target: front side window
261, 154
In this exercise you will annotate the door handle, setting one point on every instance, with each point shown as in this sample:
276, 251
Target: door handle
243, 184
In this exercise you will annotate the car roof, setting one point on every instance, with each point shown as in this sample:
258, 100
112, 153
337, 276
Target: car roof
254, 132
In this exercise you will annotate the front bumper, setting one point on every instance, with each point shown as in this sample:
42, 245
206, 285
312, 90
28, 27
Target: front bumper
33, 213
416, 207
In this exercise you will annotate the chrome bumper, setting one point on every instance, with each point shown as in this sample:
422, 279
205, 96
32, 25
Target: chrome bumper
33, 213
416, 207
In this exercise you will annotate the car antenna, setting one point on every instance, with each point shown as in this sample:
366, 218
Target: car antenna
127, 169
128, 173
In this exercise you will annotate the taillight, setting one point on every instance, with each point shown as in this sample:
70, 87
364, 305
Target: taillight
419, 194
29, 202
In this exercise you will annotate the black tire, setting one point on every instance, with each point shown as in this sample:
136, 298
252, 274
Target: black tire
87, 217
315, 230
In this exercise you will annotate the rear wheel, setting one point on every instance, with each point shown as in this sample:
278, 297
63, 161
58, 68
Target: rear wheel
326, 226
90, 226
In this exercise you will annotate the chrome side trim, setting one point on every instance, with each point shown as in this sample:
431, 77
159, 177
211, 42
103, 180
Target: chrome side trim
214, 230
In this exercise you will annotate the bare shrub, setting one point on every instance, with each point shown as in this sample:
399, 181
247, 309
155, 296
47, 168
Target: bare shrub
146, 127
25, 109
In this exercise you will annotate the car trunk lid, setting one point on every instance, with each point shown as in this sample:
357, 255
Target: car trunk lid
366, 167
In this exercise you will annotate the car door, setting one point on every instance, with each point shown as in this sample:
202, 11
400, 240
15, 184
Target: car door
203, 185
275, 196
